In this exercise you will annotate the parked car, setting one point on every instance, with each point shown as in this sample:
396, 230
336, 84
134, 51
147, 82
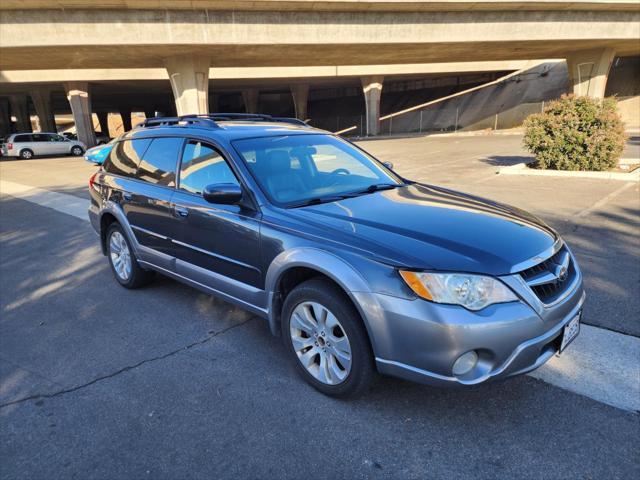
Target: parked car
357, 268
28, 145
98, 153
101, 138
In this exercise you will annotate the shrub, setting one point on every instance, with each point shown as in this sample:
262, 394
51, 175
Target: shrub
576, 133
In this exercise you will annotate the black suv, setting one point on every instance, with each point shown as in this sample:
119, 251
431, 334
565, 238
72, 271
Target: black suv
358, 269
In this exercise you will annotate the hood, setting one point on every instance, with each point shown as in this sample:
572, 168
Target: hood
424, 227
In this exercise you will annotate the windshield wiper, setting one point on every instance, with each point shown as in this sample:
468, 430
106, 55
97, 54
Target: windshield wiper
376, 187
334, 198
318, 201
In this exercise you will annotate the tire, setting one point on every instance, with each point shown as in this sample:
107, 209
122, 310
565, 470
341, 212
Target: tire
26, 154
338, 378
76, 151
124, 266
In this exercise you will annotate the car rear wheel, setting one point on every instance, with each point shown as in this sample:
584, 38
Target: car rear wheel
26, 154
77, 151
123, 261
326, 339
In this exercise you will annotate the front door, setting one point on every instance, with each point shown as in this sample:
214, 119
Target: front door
218, 244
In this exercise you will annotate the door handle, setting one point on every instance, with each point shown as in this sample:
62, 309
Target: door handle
180, 211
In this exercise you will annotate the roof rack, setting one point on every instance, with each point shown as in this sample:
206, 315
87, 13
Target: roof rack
210, 119
258, 117
182, 120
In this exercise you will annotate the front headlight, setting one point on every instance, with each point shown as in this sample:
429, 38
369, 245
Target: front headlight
470, 291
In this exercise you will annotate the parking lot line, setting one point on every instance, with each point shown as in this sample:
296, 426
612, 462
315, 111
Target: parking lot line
61, 202
600, 364
603, 201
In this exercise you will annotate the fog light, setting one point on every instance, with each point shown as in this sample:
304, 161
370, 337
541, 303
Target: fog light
465, 363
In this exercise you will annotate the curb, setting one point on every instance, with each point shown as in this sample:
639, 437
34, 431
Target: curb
522, 169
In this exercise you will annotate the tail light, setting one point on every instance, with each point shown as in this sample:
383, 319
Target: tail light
92, 179
9, 146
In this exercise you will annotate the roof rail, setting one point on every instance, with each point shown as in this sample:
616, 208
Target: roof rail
181, 120
210, 119
258, 117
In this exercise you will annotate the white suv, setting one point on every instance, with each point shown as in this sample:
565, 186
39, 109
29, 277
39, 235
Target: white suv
26, 145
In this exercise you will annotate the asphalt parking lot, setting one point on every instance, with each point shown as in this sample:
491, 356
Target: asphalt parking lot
166, 382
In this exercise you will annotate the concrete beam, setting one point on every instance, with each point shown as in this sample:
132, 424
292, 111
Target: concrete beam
331, 5
300, 94
262, 73
588, 71
103, 120
5, 118
250, 96
86, 38
125, 115
20, 110
189, 77
80, 102
372, 89
41, 98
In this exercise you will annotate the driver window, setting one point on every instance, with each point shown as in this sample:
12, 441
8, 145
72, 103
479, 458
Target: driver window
202, 165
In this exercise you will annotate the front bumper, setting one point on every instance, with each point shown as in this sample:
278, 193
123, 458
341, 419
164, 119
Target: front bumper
420, 341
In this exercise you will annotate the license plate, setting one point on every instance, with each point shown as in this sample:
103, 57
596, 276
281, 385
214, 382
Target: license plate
571, 331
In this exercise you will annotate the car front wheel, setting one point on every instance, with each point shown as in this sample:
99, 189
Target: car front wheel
123, 261
326, 339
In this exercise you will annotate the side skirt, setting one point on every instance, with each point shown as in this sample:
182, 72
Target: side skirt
261, 312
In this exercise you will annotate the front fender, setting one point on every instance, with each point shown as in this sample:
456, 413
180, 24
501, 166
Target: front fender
334, 267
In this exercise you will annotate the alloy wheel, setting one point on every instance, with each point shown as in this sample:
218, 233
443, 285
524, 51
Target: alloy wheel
120, 255
320, 342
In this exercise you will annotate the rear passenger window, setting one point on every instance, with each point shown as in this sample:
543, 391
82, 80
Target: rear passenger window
159, 162
202, 165
125, 157
22, 138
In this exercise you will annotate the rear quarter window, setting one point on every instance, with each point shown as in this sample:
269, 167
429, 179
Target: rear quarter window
126, 156
159, 162
22, 138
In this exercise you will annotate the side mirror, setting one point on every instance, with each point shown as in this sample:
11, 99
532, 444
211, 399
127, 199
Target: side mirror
222, 193
389, 165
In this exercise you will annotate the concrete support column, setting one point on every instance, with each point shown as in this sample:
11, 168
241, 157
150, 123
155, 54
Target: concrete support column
125, 115
41, 99
588, 71
189, 76
300, 96
20, 110
250, 97
103, 120
80, 101
5, 118
372, 89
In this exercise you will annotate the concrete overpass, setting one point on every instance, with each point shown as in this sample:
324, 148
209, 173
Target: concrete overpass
191, 40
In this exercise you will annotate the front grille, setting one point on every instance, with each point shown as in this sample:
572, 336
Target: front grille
551, 278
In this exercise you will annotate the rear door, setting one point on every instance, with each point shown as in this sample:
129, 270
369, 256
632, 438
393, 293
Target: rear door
150, 211
222, 239
39, 142
22, 141
136, 198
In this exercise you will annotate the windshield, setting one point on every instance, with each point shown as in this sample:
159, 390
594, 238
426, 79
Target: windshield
303, 169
